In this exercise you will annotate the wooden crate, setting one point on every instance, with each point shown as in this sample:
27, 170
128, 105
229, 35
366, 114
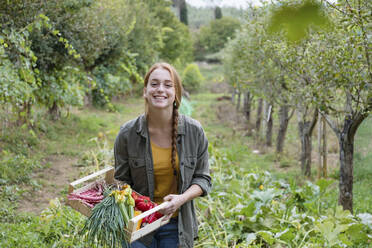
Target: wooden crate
132, 233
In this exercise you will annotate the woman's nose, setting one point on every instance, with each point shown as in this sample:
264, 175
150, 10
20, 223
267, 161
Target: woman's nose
161, 87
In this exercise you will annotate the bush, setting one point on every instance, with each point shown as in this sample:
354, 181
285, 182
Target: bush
192, 78
16, 168
212, 38
58, 226
176, 38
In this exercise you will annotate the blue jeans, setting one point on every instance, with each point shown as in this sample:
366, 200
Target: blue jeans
165, 237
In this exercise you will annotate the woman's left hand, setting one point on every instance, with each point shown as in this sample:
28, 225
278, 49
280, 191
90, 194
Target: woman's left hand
174, 202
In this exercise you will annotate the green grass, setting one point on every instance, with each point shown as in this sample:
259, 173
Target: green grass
212, 74
71, 135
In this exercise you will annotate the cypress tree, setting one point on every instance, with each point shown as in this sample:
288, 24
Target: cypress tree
183, 12
217, 13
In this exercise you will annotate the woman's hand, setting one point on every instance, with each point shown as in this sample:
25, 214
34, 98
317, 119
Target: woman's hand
174, 202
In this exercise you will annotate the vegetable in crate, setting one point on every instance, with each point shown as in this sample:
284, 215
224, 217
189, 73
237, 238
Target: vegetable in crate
90, 197
110, 217
144, 203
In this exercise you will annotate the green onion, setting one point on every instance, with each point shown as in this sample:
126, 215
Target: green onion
106, 224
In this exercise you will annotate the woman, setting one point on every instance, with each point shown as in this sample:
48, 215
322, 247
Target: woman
164, 155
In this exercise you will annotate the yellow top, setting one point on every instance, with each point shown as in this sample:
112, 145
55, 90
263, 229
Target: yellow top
165, 180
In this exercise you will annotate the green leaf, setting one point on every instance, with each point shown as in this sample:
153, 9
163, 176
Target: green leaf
249, 210
267, 236
44, 17
250, 238
296, 19
27, 75
357, 233
342, 214
324, 184
286, 235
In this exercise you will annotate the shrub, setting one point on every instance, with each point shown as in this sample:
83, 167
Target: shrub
212, 38
192, 78
16, 168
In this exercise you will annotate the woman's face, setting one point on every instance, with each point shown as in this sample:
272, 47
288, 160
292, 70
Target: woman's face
160, 91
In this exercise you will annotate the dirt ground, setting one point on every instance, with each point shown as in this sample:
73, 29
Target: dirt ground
54, 180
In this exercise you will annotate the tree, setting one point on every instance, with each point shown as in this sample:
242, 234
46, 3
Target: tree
349, 75
326, 71
217, 13
183, 13
213, 37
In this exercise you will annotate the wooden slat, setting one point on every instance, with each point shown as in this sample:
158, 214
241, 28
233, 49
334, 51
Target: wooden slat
147, 213
147, 229
91, 176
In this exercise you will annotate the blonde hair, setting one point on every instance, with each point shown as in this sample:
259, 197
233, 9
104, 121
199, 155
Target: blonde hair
177, 102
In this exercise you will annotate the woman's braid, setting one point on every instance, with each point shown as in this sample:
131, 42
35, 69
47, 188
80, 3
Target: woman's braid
174, 139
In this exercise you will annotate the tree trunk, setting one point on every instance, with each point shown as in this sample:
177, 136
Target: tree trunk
322, 147
264, 116
247, 111
269, 125
346, 170
320, 169
259, 115
345, 135
306, 128
238, 102
54, 112
324, 153
283, 125
346, 143
233, 96
24, 113
247, 106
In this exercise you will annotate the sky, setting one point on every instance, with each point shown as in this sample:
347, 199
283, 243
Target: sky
230, 3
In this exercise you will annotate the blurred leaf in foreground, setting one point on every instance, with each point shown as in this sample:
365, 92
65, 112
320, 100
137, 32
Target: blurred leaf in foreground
296, 18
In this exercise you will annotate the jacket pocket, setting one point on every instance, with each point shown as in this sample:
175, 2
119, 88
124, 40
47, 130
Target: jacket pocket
138, 172
136, 162
189, 164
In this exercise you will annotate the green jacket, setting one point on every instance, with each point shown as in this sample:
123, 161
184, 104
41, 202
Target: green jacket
133, 165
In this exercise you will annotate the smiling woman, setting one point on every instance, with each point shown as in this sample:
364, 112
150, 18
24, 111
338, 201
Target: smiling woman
159, 91
164, 155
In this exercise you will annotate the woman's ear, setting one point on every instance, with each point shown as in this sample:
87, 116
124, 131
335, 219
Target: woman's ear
144, 92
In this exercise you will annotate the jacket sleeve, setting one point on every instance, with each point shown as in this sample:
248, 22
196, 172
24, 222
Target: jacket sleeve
201, 175
122, 169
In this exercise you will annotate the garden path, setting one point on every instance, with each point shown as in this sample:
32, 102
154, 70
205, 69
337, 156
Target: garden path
54, 180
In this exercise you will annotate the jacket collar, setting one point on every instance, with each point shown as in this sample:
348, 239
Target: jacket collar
143, 130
